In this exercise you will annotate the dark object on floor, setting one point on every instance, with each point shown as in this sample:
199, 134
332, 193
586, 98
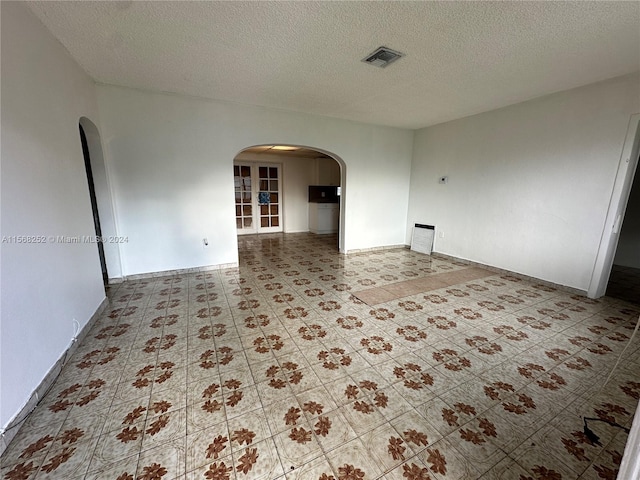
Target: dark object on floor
592, 436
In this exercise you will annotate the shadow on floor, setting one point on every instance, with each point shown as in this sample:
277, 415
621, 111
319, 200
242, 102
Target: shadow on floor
624, 284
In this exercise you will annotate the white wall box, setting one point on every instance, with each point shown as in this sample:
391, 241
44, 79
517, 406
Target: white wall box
422, 238
324, 217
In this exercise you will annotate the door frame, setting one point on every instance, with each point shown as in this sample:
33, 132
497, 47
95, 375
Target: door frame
255, 209
617, 206
344, 198
94, 203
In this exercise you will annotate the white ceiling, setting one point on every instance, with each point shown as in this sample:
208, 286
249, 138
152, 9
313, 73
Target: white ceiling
461, 58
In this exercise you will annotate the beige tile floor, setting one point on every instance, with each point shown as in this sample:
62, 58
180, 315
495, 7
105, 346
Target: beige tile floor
278, 370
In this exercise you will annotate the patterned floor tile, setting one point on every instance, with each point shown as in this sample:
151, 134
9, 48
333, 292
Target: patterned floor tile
445, 462
306, 364
297, 445
353, 460
312, 470
207, 445
258, 460
385, 447
124, 468
412, 469
163, 461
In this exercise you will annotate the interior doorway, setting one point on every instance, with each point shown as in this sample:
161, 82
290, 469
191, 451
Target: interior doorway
624, 281
101, 199
94, 204
258, 197
620, 198
310, 191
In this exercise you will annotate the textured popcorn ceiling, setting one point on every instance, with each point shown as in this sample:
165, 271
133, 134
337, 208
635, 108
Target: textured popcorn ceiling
461, 58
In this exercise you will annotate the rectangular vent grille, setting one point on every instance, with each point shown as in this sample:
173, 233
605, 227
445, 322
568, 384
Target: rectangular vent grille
382, 57
422, 238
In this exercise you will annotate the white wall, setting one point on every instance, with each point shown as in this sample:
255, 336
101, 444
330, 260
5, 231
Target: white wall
44, 192
327, 172
297, 174
628, 251
170, 158
529, 185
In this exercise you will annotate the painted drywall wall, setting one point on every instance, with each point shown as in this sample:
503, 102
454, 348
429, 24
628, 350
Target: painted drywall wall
328, 172
628, 251
44, 193
528, 185
170, 159
297, 175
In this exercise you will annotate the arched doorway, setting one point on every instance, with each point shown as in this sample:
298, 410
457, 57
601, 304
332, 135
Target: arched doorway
273, 184
94, 204
101, 201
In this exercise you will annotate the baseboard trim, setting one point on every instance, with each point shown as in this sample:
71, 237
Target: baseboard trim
502, 271
13, 427
384, 248
180, 271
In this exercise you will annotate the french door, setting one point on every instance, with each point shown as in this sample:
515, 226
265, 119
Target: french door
258, 198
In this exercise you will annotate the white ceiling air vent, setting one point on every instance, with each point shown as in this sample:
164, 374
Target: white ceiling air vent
382, 57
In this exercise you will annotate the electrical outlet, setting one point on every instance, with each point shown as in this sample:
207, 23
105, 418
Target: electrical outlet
441, 235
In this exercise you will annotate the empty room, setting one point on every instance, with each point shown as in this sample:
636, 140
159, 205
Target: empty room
320, 240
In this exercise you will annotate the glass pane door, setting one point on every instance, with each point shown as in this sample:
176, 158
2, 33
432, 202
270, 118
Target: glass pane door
242, 177
269, 198
258, 198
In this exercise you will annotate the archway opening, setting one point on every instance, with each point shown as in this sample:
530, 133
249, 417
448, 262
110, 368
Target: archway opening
94, 204
282, 188
101, 200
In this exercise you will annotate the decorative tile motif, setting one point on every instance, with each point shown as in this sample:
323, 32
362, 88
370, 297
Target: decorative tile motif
257, 321
475, 432
265, 344
382, 314
312, 332
451, 360
334, 357
411, 333
367, 397
412, 376
279, 377
349, 322
517, 403
376, 345
483, 345
510, 333
441, 323
533, 322
98, 357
